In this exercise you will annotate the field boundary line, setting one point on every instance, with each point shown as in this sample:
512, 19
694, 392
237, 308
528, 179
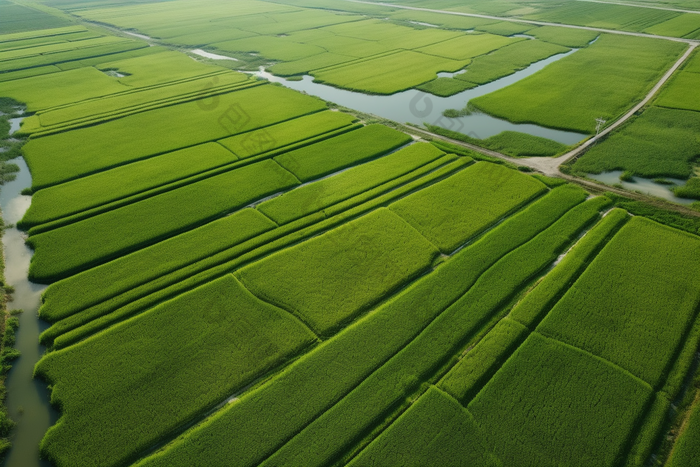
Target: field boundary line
528, 21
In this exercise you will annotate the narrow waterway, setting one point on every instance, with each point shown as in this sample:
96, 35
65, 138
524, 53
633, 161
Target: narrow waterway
418, 107
644, 185
27, 399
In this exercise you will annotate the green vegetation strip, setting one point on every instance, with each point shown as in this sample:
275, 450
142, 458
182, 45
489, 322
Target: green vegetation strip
65, 156
562, 95
139, 381
46, 91
435, 430
338, 430
132, 300
641, 324
454, 210
331, 279
64, 298
281, 408
144, 176
114, 233
117, 106
508, 60
390, 73
277, 136
328, 191
342, 151
473, 371
534, 306
553, 404
70, 55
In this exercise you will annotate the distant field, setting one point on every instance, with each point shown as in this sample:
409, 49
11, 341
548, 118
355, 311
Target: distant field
568, 93
240, 275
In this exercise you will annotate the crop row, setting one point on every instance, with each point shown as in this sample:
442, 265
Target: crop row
336, 432
123, 104
321, 194
451, 212
654, 304
71, 55
123, 392
435, 430
113, 233
552, 404
537, 303
114, 302
331, 279
390, 316
106, 187
65, 156
117, 232
281, 408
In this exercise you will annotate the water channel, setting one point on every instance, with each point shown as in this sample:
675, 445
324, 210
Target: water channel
645, 185
418, 107
27, 399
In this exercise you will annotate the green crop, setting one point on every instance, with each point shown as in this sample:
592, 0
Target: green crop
648, 433
78, 292
328, 191
138, 298
126, 103
281, 408
69, 198
331, 279
71, 55
680, 26
533, 307
608, 16
24, 52
334, 154
472, 372
283, 134
504, 28
158, 68
512, 143
690, 190
435, 430
65, 156
109, 187
468, 46
564, 36
682, 92
653, 305
332, 434
552, 404
114, 233
305, 65
685, 452
445, 87
389, 73
15, 18
455, 210
271, 47
571, 93
508, 60
141, 380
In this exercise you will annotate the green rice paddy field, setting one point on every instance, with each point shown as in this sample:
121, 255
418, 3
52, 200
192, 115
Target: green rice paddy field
240, 274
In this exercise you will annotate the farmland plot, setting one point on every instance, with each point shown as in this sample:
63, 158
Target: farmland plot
561, 95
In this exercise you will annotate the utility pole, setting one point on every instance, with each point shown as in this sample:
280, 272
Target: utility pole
599, 124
